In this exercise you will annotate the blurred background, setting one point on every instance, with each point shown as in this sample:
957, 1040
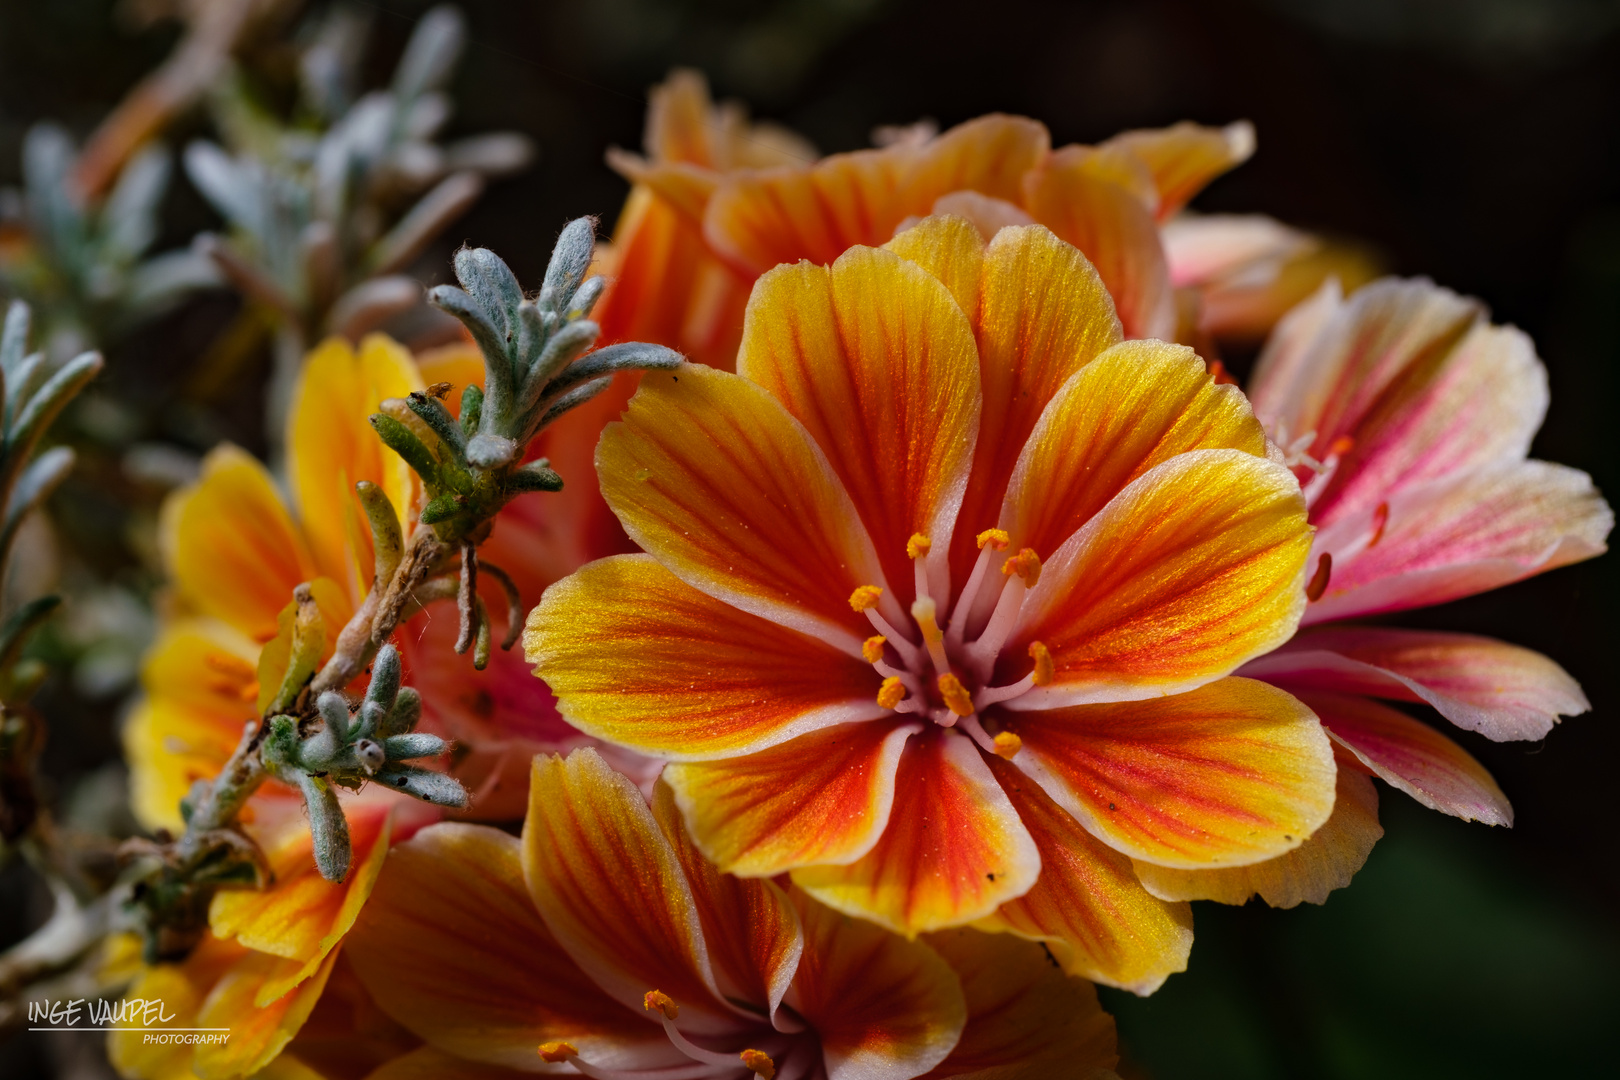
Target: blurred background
1473, 141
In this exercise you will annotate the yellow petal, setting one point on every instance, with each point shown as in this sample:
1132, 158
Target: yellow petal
259, 1029
1185, 157
452, 947
231, 547
953, 851
1230, 774
1196, 566
881, 1005
822, 798
331, 446
950, 249
988, 154
877, 361
1138, 405
716, 479
1327, 861
638, 657
1088, 902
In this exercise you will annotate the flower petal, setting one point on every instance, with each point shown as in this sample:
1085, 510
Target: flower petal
874, 357
331, 446
637, 656
823, 798
716, 479
750, 925
1026, 1019
1136, 406
611, 888
1185, 157
954, 849
1196, 566
429, 1063
1461, 535
452, 947
1072, 194
259, 1028
1501, 691
1232, 773
988, 154
1327, 861
231, 547
1088, 903
181, 988
1412, 756
882, 1006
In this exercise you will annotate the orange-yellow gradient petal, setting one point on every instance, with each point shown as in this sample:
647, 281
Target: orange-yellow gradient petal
1185, 157
1195, 567
1327, 861
1088, 904
1229, 774
710, 474
954, 849
751, 928
611, 888
260, 1027
1138, 405
637, 656
231, 547
331, 446
452, 947
881, 1005
988, 154
877, 361
1026, 1019
1072, 194
823, 798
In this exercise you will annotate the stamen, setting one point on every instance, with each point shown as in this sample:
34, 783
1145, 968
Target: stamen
992, 695
994, 539
923, 611
1008, 745
556, 1052
865, 597
1026, 564
918, 546
956, 696
657, 999
917, 551
975, 731
1042, 675
693, 1051
872, 649
990, 541
908, 651
1319, 580
891, 693
759, 1063
1001, 624
1380, 519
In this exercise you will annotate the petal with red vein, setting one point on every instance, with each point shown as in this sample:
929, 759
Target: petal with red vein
823, 798
468, 982
988, 154
710, 474
1195, 567
877, 361
1501, 691
1229, 774
637, 656
954, 849
1185, 157
1088, 903
1413, 757
881, 1006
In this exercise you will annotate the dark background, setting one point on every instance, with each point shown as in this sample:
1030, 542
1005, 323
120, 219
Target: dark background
1473, 142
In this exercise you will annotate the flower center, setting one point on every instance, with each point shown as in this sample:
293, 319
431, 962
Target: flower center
937, 672
1296, 455
707, 1064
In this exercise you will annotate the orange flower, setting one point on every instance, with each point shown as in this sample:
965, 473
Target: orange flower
997, 170
940, 594
605, 940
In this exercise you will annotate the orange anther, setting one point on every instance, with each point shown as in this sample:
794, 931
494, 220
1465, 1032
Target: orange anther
996, 539
957, 699
1341, 446
918, 546
1008, 745
872, 648
891, 693
555, 1052
1043, 663
1380, 519
1026, 564
759, 1063
865, 598
657, 999
1319, 580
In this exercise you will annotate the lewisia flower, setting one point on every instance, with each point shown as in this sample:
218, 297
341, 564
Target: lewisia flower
667, 286
1409, 417
997, 170
939, 596
606, 941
